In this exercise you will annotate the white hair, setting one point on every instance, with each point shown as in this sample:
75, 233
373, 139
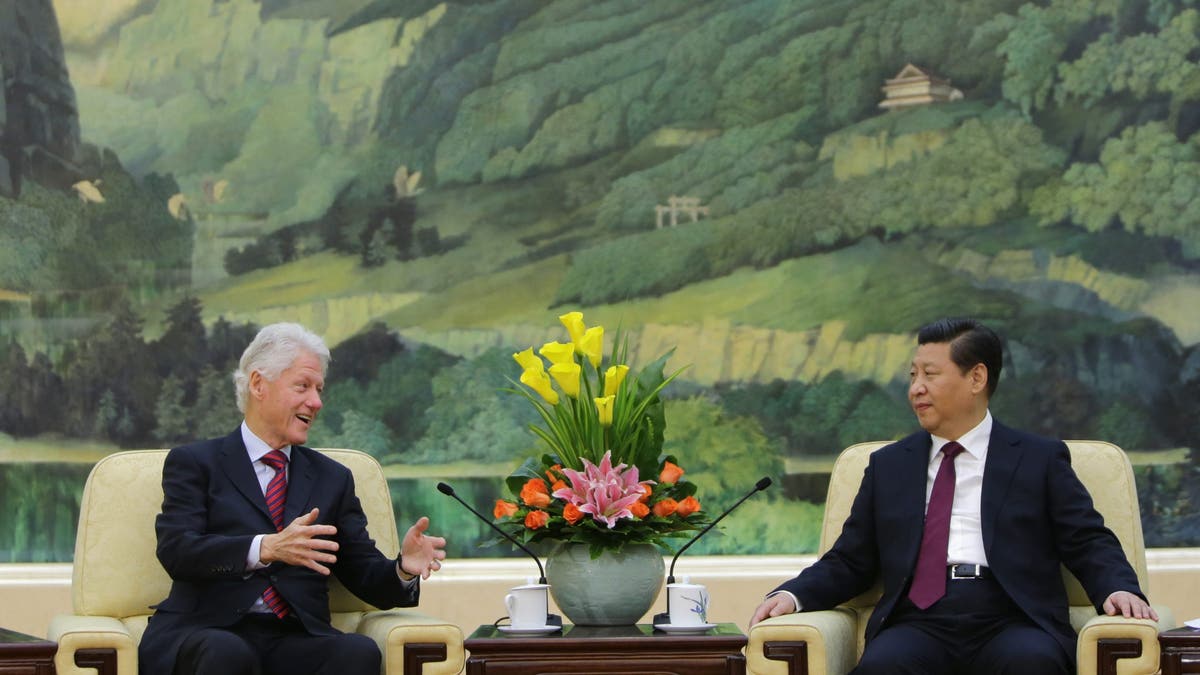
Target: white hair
271, 352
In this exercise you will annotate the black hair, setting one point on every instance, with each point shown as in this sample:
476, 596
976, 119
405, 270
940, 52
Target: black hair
971, 342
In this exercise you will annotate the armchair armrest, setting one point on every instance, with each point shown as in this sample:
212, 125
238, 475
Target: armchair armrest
92, 642
805, 643
415, 644
1119, 646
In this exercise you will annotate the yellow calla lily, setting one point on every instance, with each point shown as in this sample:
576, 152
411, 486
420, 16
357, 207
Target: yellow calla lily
558, 352
567, 377
527, 360
604, 409
574, 323
591, 345
613, 377
537, 380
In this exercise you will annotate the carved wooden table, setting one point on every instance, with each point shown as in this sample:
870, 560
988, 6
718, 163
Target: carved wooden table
618, 650
25, 655
1180, 651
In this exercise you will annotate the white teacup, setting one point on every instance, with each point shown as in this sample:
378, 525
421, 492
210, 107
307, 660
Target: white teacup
688, 604
528, 605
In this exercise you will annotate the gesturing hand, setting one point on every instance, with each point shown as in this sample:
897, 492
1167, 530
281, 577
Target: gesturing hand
421, 554
297, 544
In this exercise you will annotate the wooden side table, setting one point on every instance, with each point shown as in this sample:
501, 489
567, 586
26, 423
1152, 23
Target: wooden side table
1180, 651
22, 654
614, 650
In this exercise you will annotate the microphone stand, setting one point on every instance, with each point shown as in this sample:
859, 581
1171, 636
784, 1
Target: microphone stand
447, 490
762, 484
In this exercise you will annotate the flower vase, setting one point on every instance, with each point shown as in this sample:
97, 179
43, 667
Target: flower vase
615, 589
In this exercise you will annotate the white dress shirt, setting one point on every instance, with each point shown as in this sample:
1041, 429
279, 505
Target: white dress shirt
966, 524
257, 448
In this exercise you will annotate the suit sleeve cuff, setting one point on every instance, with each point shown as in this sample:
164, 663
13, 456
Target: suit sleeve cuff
795, 602
408, 579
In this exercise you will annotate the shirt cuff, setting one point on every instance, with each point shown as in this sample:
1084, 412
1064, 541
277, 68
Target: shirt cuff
253, 561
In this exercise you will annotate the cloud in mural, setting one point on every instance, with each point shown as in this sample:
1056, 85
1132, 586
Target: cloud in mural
89, 191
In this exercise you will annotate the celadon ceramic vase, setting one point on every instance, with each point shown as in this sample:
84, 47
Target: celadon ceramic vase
615, 589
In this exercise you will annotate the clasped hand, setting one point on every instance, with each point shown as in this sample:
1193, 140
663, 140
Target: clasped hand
299, 544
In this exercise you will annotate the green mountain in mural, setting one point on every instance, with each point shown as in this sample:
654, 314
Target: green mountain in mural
1052, 189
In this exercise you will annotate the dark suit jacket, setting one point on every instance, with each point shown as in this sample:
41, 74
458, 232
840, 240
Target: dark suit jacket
213, 507
1035, 515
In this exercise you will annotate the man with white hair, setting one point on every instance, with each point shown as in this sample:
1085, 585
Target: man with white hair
253, 523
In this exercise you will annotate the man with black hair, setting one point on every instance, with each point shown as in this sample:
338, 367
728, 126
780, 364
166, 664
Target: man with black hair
967, 523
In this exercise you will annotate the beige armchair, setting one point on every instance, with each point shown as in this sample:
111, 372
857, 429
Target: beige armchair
830, 642
117, 576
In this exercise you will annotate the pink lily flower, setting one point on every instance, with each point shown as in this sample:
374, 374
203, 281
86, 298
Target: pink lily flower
604, 491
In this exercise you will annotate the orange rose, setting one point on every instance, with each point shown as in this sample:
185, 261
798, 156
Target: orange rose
558, 485
572, 514
670, 473
536, 519
503, 509
534, 493
554, 472
666, 507
639, 510
687, 507
647, 490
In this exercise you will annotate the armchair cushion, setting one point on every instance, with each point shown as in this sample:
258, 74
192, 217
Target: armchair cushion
830, 636
394, 629
74, 633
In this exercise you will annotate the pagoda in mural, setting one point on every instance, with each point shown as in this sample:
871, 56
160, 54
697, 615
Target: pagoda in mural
913, 86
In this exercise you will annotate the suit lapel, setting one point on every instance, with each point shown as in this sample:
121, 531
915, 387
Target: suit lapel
1004, 456
235, 463
301, 477
912, 485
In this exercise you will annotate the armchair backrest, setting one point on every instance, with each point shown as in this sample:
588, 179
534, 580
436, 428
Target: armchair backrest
116, 571
1102, 467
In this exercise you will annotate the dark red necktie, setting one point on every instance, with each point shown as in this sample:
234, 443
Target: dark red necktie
929, 579
276, 496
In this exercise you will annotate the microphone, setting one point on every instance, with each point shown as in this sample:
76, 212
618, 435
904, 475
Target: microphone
447, 490
762, 484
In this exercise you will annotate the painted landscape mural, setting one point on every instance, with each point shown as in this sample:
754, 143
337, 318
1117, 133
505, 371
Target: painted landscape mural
780, 190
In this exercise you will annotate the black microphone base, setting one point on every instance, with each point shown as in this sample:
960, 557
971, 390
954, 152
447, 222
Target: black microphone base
661, 619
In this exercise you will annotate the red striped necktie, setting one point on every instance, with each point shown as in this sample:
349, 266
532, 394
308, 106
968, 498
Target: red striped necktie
276, 497
929, 579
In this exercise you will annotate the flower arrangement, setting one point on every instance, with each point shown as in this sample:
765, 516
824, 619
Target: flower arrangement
602, 481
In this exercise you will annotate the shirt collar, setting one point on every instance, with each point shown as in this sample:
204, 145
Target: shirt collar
974, 442
257, 447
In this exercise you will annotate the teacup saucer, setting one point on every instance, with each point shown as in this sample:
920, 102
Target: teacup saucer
533, 630
695, 628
